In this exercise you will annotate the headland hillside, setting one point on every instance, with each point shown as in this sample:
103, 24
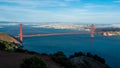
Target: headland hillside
8, 38
15, 57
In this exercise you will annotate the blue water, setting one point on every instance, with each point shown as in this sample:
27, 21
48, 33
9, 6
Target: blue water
106, 47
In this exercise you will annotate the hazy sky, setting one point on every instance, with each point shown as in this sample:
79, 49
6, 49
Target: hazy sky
81, 11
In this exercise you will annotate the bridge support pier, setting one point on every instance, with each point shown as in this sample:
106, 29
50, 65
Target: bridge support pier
21, 35
92, 30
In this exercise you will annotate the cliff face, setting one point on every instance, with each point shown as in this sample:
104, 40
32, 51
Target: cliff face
8, 38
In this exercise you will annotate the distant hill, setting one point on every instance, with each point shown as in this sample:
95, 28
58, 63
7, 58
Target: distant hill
107, 29
8, 38
4, 22
8, 22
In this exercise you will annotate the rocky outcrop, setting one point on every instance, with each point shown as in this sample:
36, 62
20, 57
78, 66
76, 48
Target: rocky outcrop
112, 33
87, 62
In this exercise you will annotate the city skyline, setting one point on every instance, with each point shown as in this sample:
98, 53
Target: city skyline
80, 11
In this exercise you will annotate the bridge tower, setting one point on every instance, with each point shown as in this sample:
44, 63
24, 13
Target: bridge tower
21, 35
92, 30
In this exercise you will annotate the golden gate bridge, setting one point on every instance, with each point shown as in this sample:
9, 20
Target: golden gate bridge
91, 32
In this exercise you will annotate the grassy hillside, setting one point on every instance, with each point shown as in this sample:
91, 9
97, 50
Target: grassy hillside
8, 38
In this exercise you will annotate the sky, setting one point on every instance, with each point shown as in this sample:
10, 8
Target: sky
63, 11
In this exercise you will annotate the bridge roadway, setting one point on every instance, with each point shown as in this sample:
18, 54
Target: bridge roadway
55, 34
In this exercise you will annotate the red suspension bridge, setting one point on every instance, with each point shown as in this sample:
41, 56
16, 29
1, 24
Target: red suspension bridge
91, 32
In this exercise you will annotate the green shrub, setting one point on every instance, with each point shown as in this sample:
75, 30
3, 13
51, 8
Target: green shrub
7, 46
33, 62
76, 54
96, 57
61, 59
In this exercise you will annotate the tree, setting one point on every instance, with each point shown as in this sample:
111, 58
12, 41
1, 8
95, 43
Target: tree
89, 55
61, 58
33, 62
